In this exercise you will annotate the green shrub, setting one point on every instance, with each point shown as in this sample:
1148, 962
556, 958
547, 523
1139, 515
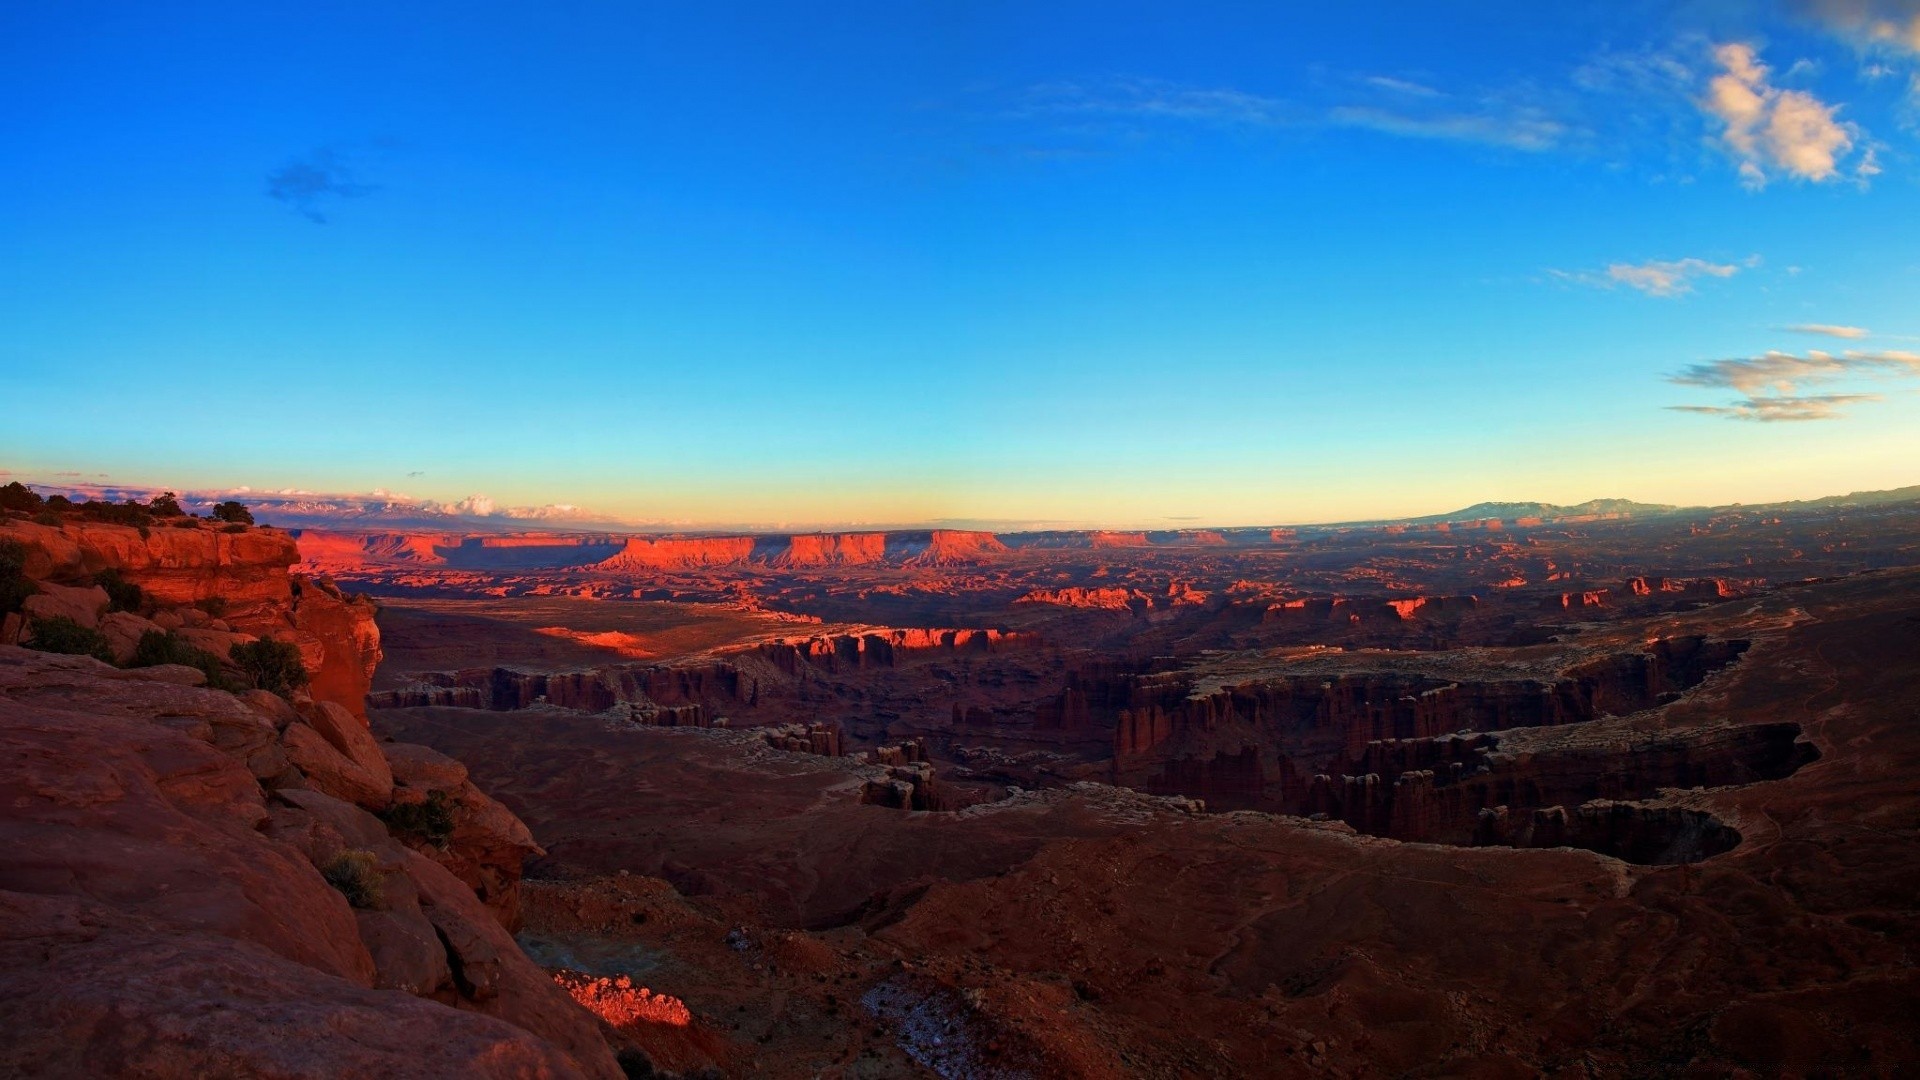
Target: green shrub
128, 513
165, 504
59, 502
47, 517
62, 635
356, 873
233, 528
158, 647
271, 665
233, 512
18, 496
429, 822
15, 585
122, 595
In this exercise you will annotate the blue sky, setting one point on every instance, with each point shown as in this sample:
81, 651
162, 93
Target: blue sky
889, 263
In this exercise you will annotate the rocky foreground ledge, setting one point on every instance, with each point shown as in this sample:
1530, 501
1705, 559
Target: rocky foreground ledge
166, 853
218, 882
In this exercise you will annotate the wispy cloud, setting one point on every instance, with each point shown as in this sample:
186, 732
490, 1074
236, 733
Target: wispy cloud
1893, 25
1771, 131
1770, 410
1771, 383
1489, 122
1381, 103
1655, 277
308, 184
1829, 330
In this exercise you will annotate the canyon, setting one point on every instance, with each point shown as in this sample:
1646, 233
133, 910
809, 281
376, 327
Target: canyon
1596, 790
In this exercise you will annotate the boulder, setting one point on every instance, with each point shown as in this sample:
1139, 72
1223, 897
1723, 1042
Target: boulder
82, 605
423, 767
329, 771
349, 735
123, 630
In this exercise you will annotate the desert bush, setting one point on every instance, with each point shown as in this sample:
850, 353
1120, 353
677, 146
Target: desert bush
62, 635
18, 496
59, 502
130, 512
166, 505
356, 873
233, 528
271, 665
234, 512
158, 647
428, 822
215, 606
47, 517
15, 585
122, 595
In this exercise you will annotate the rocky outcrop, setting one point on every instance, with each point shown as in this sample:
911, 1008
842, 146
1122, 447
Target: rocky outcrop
827, 740
176, 566
338, 638
189, 569
909, 782
1106, 598
166, 909
594, 690
878, 648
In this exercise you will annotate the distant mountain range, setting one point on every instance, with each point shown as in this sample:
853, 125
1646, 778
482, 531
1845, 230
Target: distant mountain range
383, 511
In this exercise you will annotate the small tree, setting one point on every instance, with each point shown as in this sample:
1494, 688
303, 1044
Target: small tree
232, 512
159, 647
18, 496
62, 635
15, 585
122, 595
165, 504
271, 665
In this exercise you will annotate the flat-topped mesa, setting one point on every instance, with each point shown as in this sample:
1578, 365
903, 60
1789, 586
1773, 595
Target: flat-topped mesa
1107, 539
328, 550
830, 549
678, 553
185, 568
937, 547
948, 547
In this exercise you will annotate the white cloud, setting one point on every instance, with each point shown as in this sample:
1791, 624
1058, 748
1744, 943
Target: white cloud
1769, 130
1655, 277
1829, 330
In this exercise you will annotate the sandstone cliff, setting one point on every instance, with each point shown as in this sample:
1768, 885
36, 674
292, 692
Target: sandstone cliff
186, 572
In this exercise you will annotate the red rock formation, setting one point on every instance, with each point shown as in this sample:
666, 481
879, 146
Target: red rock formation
176, 566
1110, 598
955, 547
646, 553
832, 549
245, 571
1106, 539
